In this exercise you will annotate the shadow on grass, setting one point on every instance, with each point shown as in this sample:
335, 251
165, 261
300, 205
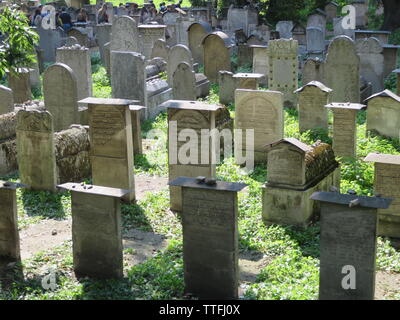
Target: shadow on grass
133, 216
43, 203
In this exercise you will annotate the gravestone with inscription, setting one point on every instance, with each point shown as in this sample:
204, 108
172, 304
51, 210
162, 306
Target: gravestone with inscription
125, 35
176, 55
96, 230
311, 105
344, 127
386, 184
6, 100
192, 158
160, 49
35, 149
196, 32
184, 82
111, 146
348, 245
149, 34
313, 70
261, 111
210, 237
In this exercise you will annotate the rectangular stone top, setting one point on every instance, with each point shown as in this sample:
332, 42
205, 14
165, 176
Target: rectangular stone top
91, 189
106, 101
152, 26
373, 31
396, 71
345, 199
136, 107
383, 158
345, 105
11, 185
391, 46
248, 75
258, 46
190, 105
220, 185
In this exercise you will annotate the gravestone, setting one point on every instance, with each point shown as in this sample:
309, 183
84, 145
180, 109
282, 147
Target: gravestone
176, 55
260, 62
397, 72
216, 47
299, 33
35, 150
20, 85
383, 114
103, 36
149, 34
361, 7
61, 95
390, 53
261, 111
382, 36
313, 70
195, 116
283, 69
227, 87
315, 40
341, 70
196, 32
285, 29
348, 245
344, 128
107, 58
160, 49
244, 56
242, 18
136, 111
311, 105
339, 29
317, 20
111, 149
78, 59
6, 100
247, 80
49, 41
125, 35
386, 184
210, 238
81, 35
331, 11
184, 82
96, 230
371, 56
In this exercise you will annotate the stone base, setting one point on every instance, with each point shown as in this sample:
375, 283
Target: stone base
388, 225
294, 207
202, 86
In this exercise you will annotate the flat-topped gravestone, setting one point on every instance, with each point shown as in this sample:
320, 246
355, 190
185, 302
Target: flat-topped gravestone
125, 35
184, 82
312, 98
261, 111
96, 230
247, 80
190, 158
348, 245
383, 114
390, 54
344, 127
176, 55
361, 11
260, 62
6, 100
150, 33
386, 184
210, 237
160, 49
111, 148
20, 85
136, 128
381, 35
196, 32
60, 93
341, 70
35, 149
283, 69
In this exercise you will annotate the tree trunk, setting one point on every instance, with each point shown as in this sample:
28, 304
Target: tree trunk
392, 13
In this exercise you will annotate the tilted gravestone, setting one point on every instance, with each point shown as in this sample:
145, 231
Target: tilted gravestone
344, 127
35, 150
210, 237
311, 105
386, 184
125, 35
348, 245
261, 111
60, 93
111, 149
96, 230
184, 82
6, 100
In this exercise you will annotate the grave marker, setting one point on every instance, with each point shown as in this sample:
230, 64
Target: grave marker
6, 100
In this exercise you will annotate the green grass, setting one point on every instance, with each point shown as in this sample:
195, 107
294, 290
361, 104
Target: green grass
185, 3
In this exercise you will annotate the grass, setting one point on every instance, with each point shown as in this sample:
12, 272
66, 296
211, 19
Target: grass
185, 3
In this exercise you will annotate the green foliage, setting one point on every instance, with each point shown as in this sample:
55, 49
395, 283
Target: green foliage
18, 47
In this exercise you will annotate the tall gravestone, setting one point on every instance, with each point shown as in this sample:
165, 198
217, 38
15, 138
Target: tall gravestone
285, 29
184, 82
61, 95
283, 69
136, 111
397, 72
150, 33
176, 55
311, 105
386, 184
195, 116
210, 237
196, 32
313, 70
35, 149
103, 36
345, 128
20, 85
341, 70
260, 62
6, 100
78, 59
96, 230
111, 146
317, 20
160, 49
261, 111
125, 35
315, 41
348, 245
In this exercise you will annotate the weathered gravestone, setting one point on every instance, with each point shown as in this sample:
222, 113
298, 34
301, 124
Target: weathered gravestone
35, 150
386, 184
283, 69
331, 11
315, 40
196, 32
242, 18
348, 245
149, 34
313, 70
125, 35
261, 111
136, 111
300, 34
78, 59
294, 171
184, 82
49, 41
397, 72
340, 28
200, 160
382, 36
341, 70
176, 55
247, 80
61, 95
361, 10
96, 230
317, 20
344, 127
260, 62
210, 237
81, 35
111, 149
20, 85
216, 47
6, 100
390, 54
103, 35
371, 62
160, 49
383, 114
285, 29
311, 105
